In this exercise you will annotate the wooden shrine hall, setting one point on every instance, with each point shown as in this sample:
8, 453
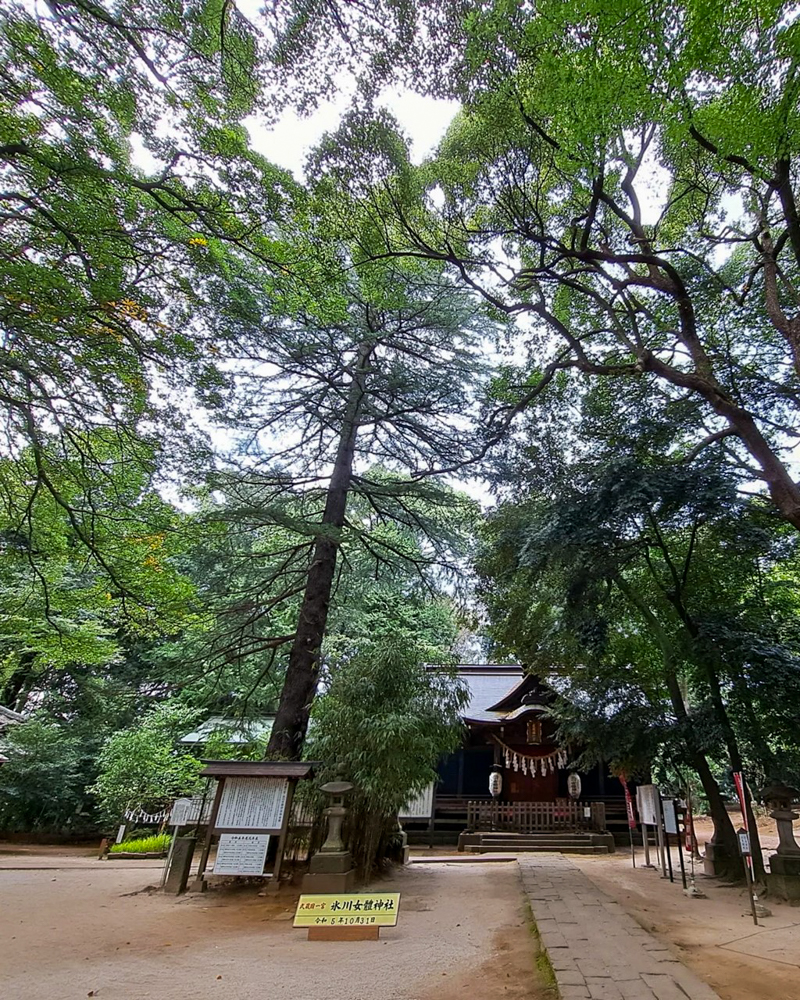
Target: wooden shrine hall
507, 731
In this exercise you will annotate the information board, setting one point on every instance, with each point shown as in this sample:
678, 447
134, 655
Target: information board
670, 816
187, 811
252, 804
241, 854
353, 909
647, 800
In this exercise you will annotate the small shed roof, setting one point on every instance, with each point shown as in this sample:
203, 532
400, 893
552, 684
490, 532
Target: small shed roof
258, 768
8, 716
235, 730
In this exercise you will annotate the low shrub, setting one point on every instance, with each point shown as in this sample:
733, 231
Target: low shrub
143, 845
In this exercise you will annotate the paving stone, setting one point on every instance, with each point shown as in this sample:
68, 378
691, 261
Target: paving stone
665, 988
553, 939
638, 990
603, 989
562, 960
625, 974
598, 951
594, 968
567, 977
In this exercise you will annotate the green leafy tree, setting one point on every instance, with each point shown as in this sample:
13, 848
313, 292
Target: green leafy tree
140, 765
85, 563
386, 718
627, 574
402, 549
130, 196
541, 197
391, 380
44, 777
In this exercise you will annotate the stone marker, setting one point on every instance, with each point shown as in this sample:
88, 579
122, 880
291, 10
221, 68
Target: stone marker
784, 866
180, 862
331, 868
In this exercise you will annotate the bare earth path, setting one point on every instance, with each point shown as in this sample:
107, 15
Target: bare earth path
714, 936
71, 927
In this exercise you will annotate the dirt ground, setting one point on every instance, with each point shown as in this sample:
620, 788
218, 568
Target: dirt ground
72, 927
714, 936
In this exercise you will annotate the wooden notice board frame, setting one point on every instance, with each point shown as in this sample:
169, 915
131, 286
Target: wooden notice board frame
227, 770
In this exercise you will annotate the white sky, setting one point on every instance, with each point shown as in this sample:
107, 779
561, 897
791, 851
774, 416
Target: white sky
423, 119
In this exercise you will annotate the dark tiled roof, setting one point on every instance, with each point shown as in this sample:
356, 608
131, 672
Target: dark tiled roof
488, 683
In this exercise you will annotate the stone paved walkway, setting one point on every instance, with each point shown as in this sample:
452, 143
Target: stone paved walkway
597, 951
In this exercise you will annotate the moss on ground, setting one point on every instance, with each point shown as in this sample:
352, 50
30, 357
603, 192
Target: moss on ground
544, 966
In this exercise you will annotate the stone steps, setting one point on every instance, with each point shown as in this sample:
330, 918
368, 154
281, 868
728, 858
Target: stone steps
541, 843
535, 849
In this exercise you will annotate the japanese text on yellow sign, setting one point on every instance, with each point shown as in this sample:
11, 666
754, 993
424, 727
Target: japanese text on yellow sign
362, 909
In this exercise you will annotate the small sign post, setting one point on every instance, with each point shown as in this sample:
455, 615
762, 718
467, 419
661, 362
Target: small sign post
352, 916
670, 829
744, 849
646, 804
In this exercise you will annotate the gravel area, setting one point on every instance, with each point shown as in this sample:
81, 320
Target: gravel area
88, 930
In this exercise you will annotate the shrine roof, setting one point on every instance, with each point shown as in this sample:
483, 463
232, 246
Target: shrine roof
499, 692
488, 683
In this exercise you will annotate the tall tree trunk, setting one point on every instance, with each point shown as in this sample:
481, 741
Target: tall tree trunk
302, 673
735, 757
724, 835
18, 686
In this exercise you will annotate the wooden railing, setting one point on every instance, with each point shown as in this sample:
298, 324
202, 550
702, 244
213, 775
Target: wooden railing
536, 817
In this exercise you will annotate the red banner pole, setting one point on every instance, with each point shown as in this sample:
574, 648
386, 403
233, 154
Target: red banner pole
631, 816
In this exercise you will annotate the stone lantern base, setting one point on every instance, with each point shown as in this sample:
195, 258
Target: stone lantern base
784, 877
718, 862
330, 872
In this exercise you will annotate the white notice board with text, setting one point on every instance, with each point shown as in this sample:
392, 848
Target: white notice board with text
241, 854
252, 804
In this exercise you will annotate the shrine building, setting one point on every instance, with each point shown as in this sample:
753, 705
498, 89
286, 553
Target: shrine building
507, 731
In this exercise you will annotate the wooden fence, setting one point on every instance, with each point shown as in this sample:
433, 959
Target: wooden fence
536, 817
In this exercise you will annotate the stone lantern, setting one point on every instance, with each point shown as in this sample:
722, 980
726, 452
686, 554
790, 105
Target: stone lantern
331, 868
784, 878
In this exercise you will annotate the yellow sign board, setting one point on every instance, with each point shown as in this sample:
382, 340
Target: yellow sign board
353, 909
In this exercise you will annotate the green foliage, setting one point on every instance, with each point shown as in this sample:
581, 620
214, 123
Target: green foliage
155, 265
643, 584
622, 180
386, 719
141, 767
156, 844
42, 782
87, 565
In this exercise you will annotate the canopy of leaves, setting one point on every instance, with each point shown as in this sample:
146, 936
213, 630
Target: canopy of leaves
624, 571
